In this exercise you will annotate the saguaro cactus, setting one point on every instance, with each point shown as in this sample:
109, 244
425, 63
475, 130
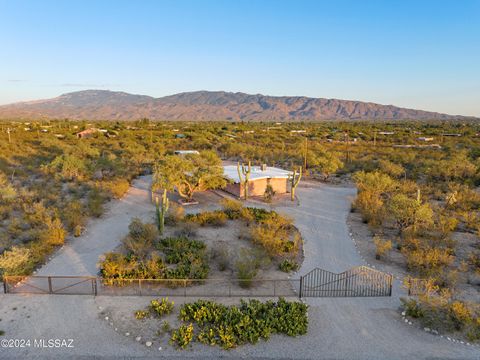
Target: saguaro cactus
295, 179
162, 210
245, 171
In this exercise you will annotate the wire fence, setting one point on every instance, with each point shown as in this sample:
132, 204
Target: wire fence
85, 285
356, 282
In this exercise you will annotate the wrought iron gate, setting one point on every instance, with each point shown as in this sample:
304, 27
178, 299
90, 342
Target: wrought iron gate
360, 281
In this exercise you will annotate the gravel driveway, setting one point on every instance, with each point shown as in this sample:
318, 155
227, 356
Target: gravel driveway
342, 328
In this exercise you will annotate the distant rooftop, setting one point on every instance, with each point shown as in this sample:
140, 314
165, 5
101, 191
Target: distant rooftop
230, 171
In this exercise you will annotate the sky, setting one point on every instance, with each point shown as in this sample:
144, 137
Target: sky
412, 53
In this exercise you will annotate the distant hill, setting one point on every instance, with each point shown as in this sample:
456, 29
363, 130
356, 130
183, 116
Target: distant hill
209, 105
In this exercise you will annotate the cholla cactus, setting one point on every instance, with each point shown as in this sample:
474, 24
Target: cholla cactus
295, 180
246, 171
162, 210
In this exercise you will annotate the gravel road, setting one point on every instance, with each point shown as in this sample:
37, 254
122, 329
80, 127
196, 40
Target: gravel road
340, 328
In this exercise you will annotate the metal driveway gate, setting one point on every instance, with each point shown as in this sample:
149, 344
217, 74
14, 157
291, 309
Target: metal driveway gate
61, 285
360, 281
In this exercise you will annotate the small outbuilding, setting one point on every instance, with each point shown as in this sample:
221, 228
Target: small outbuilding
260, 177
88, 133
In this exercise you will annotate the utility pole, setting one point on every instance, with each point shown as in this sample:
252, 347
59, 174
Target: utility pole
347, 141
305, 156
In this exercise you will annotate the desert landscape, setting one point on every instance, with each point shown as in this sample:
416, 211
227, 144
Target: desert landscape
240, 180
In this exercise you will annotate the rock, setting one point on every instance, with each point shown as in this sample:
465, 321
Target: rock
127, 334
98, 175
160, 348
409, 323
406, 320
426, 329
148, 343
404, 313
106, 317
138, 338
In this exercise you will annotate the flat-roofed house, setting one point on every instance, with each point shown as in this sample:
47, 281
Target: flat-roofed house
260, 177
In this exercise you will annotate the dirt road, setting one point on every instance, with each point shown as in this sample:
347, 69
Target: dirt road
340, 328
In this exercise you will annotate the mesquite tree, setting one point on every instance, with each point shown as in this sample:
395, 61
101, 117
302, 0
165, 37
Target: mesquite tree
189, 173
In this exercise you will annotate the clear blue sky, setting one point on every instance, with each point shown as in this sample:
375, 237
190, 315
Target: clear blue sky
421, 54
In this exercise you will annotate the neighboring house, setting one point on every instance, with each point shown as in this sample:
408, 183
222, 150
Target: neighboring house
386, 133
425, 138
185, 152
85, 134
260, 177
180, 136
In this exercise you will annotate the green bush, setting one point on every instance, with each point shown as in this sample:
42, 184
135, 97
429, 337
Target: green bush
208, 218
230, 326
288, 265
141, 314
161, 307
16, 261
182, 336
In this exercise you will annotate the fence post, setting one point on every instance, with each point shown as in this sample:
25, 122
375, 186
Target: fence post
95, 287
50, 285
184, 288
5, 285
390, 278
301, 286
140, 286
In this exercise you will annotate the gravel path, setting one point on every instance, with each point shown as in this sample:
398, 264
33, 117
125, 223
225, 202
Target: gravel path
342, 328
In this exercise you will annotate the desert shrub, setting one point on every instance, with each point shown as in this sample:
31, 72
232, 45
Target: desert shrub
16, 261
410, 214
382, 247
275, 234
268, 194
247, 265
7, 191
391, 169
67, 167
222, 256
117, 188
141, 314
161, 307
208, 218
187, 229
230, 326
140, 239
73, 215
182, 336
371, 208
189, 256
288, 265
175, 215
428, 261
412, 308
445, 224
54, 234
231, 208
95, 203
446, 314
77, 231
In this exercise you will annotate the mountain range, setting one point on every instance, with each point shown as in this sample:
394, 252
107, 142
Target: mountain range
208, 105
